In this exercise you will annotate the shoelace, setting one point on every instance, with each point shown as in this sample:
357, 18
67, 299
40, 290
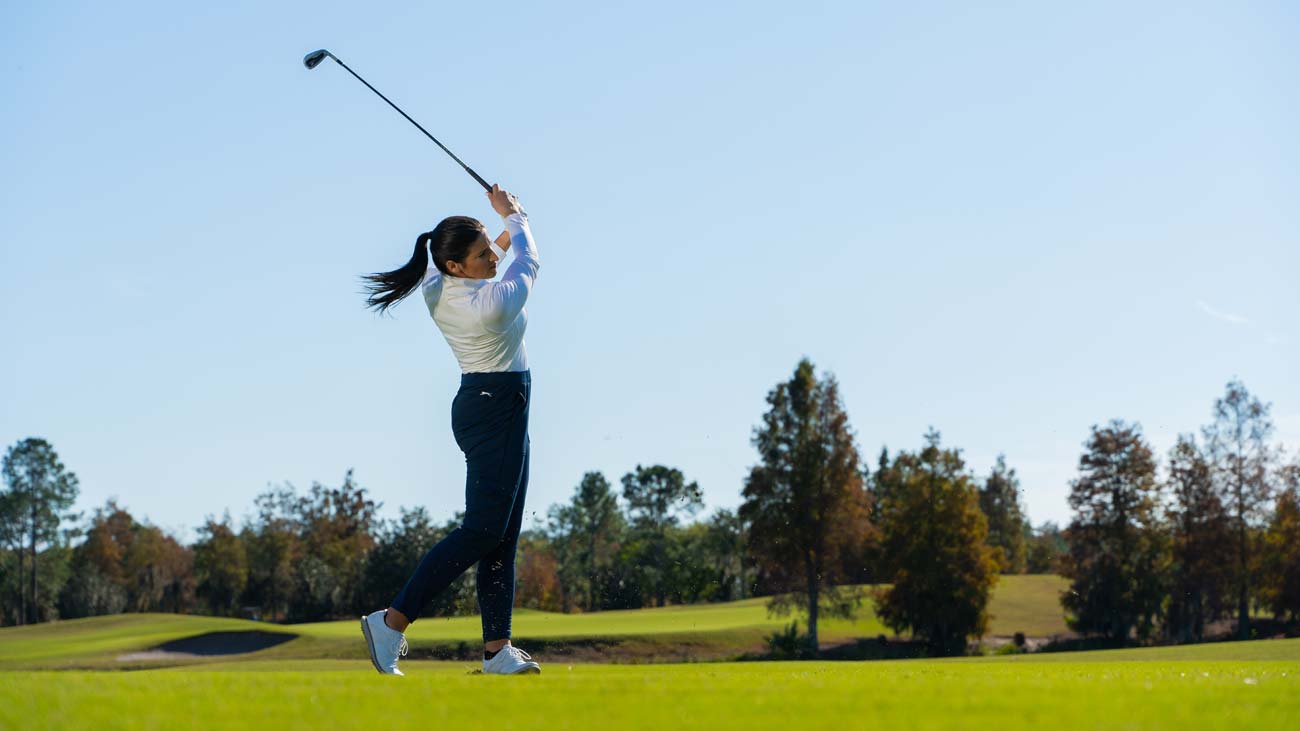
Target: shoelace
518, 653
401, 649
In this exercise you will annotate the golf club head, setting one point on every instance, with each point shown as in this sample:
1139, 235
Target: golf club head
313, 59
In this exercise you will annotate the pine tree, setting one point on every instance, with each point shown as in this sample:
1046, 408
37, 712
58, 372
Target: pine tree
934, 550
999, 498
1200, 577
805, 501
1281, 575
220, 565
40, 489
1118, 556
586, 533
1238, 445
275, 549
657, 497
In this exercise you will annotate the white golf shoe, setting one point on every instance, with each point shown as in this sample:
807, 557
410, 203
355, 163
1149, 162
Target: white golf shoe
511, 661
386, 644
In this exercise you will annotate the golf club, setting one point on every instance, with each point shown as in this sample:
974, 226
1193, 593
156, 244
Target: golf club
313, 59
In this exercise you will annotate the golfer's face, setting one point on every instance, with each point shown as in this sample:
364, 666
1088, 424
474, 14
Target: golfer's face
481, 263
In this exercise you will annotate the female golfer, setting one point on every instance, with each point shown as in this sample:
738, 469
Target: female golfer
484, 322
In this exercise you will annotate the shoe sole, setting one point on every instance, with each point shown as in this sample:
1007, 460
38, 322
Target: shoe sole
525, 671
370, 646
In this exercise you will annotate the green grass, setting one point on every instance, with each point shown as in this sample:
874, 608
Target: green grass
1274, 650
1019, 603
1029, 604
1231, 685
912, 694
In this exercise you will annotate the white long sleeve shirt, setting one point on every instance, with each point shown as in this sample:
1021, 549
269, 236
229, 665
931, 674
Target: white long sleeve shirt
482, 320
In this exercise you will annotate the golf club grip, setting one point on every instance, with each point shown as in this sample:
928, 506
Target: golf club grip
481, 181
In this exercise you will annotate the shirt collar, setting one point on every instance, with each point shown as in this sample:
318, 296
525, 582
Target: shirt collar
462, 281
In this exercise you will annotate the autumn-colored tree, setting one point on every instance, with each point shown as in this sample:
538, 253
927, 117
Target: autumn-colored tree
538, 582
99, 584
125, 565
805, 501
157, 569
1237, 442
934, 550
1118, 555
1200, 579
999, 499
1281, 575
107, 541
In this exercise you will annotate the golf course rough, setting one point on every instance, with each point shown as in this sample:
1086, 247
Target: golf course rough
909, 694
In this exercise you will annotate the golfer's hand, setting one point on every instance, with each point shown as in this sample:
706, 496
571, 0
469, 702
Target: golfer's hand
503, 202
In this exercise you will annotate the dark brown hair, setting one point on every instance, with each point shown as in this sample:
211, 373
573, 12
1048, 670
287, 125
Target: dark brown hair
450, 240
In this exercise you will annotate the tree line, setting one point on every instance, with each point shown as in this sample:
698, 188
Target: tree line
818, 531
1217, 536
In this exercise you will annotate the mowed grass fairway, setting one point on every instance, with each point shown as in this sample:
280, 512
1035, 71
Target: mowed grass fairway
322, 678
978, 693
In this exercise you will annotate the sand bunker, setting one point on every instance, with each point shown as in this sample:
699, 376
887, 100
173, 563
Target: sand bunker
210, 644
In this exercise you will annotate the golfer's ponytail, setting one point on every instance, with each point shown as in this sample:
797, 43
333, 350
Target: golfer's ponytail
451, 240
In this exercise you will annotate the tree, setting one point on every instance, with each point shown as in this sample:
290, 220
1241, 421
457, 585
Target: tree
1117, 557
220, 566
1046, 547
99, 584
539, 581
89, 593
1281, 575
39, 490
1200, 578
585, 535
337, 531
159, 571
1242, 459
723, 550
934, 549
275, 550
805, 501
999, 498
399, 546
656, 497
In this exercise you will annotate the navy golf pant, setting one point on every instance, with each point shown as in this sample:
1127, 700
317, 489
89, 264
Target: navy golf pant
489, 418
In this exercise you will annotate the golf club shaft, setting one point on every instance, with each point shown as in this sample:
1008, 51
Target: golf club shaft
473, 174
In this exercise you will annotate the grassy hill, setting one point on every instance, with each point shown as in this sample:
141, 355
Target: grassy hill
1019, 604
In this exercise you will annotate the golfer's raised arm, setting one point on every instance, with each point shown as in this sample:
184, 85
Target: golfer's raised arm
505, 299
502, 244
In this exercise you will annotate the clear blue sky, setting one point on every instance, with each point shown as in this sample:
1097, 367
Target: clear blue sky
1010, 224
